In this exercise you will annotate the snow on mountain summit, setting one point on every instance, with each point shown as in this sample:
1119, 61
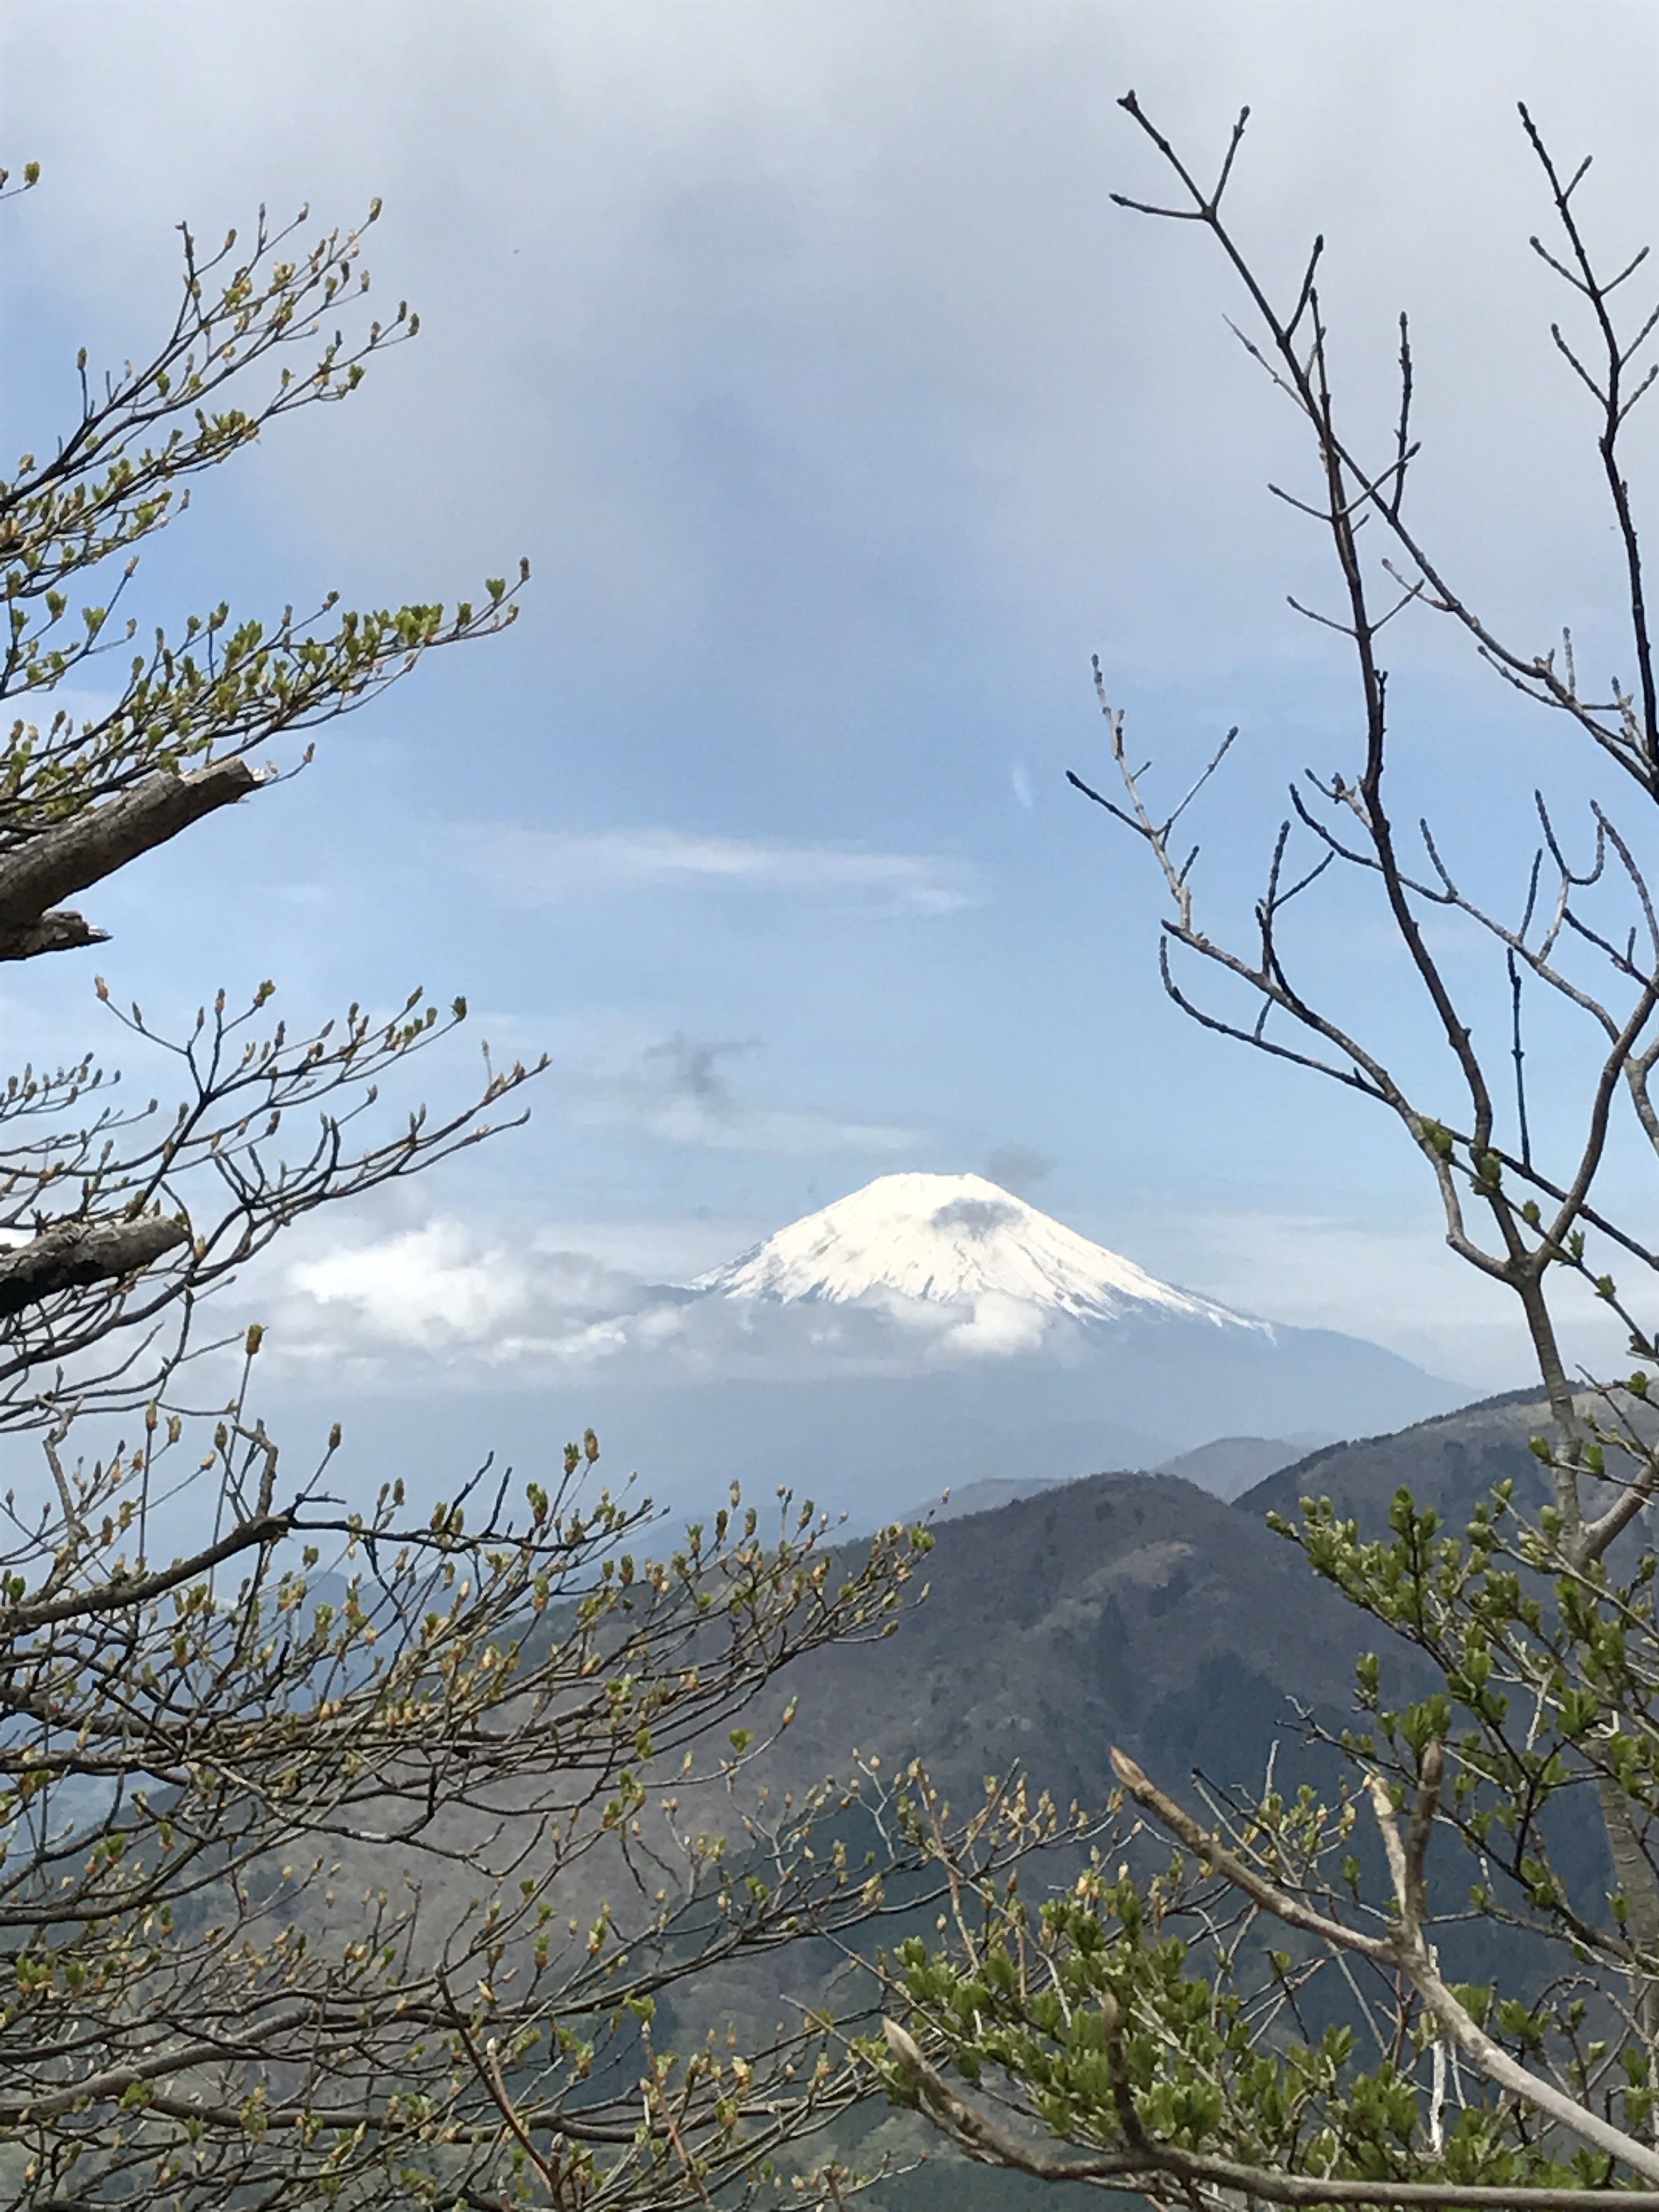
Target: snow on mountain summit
949, 1238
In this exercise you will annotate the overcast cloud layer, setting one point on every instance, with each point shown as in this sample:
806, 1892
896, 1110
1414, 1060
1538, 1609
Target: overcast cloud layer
841, 418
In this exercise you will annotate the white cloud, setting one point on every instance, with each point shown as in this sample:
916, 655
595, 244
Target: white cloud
991, 1326
531, 867
901, 195
422, 1288
775, 1132
446, 1288
461, 1302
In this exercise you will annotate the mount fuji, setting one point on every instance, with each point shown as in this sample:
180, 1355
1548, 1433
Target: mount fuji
926, 1332
935, 1330
952, 1239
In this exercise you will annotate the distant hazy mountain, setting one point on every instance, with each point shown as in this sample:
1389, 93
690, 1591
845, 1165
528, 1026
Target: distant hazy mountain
953, 1240
927, 1332
982, 1497
1226, 1468
937, 1332
1229, 1466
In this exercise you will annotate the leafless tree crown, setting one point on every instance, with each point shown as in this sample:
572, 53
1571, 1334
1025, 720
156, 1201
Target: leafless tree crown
1267, 2020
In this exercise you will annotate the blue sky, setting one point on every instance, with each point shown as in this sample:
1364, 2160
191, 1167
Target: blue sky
841, 419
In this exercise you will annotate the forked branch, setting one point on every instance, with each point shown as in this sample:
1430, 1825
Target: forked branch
1404, 1947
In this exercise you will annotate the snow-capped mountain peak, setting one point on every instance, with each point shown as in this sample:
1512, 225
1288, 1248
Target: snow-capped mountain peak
952, 1238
